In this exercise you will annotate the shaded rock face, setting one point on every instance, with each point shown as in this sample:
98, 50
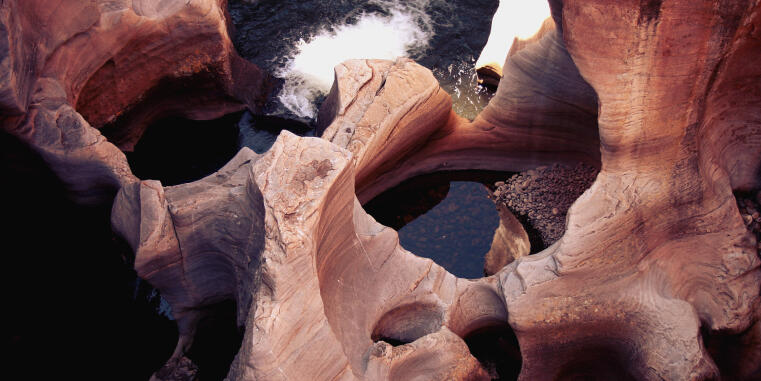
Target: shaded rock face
541, 197
114, 62
656, 276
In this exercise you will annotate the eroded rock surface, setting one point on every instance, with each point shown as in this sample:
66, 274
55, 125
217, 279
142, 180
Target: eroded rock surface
544, 113
656, 276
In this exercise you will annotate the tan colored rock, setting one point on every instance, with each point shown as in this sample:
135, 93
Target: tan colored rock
545, 113
655, 277
376, 104
510, 243
490, 74
199, 243
656, 250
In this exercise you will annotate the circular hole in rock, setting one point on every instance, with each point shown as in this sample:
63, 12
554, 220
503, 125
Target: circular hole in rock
407, 323
445, 216
177, 150
496, 347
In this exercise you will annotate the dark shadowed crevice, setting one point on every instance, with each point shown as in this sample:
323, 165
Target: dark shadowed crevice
176, 150
69, 283
597, 363
218, 339
496, 347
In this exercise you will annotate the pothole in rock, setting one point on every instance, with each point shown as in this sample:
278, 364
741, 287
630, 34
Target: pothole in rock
445, 216
496, 347
407, 323
540, 199
176, 150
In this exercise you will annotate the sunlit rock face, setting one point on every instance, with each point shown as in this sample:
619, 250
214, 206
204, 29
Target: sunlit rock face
514, 24
656, 276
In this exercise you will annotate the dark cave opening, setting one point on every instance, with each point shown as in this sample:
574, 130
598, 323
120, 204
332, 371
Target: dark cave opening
176, 150
496, 347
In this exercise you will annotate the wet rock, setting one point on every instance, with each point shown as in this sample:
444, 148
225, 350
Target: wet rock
489, 75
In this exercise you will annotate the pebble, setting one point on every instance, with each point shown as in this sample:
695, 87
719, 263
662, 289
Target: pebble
543, 196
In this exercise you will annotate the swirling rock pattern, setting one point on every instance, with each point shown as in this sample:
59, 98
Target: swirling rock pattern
70, 67
656, 276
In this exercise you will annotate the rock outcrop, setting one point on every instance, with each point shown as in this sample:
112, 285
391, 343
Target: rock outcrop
542, 196
70, 67
656, 276
544, 113
656, 259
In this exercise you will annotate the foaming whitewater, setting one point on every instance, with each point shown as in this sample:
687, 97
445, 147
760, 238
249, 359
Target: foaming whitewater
514, 18
309, 73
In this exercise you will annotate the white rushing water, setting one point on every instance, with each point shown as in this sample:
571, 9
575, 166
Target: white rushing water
514, 18
309, 73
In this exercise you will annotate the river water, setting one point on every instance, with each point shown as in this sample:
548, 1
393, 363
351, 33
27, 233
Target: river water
300, 42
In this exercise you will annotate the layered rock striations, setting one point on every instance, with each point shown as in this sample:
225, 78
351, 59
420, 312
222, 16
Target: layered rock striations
655, 277
543, 113
70, 67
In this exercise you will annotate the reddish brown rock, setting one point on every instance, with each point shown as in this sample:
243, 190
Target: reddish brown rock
74, 65
655, 251
544, 113
656, 277
376, 104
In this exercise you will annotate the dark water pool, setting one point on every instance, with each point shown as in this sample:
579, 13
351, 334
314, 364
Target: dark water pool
457, 232
446, 216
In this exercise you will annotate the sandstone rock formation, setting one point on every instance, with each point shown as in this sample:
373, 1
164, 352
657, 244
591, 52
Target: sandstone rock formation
544, 113
490, 73
510, 242
656, 276
656, 259
70, 67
